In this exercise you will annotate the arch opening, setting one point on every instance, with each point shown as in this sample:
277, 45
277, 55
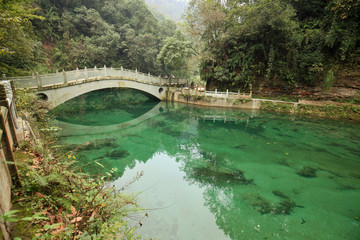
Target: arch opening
106, 106
42, 96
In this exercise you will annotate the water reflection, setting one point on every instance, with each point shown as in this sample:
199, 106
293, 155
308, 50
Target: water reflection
220, 173
105, 107
71, 129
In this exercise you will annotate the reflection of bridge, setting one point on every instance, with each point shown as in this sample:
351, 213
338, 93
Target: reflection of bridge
223, 118
69, 129
59, 87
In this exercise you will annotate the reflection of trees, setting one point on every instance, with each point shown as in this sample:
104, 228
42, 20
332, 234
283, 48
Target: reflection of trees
228, 190
220, 183
102, 103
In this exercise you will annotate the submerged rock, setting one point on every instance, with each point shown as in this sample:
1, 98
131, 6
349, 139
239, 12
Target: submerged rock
118, 154
98, 144
308, 172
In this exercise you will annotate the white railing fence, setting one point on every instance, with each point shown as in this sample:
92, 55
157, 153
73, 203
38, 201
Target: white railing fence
227, 94
78, 76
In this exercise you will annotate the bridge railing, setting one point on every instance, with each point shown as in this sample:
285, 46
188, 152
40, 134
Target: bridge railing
63, 77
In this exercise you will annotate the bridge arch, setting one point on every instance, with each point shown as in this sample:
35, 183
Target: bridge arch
56, 96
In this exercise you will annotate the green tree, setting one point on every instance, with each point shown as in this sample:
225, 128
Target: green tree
342, 27
279, 42
243, 41
174, 56
17, 41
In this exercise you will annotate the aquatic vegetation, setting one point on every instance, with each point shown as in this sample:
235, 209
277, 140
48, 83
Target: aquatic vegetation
277, 129
355, 175
218, 175
346, 187
308, 172
241, 146
285, 207
260, 204
279, 194
263, 206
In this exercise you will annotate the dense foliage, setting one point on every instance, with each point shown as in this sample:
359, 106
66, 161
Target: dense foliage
17, 44
175, 56
79, 33
244, 42
55, 199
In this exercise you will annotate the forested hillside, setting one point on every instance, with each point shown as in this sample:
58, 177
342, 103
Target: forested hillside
246, 44
44, 35
240, 44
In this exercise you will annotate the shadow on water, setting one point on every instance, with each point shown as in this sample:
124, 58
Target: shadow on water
105, 107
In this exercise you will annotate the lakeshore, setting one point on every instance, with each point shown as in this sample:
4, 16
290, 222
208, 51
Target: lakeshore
326, 109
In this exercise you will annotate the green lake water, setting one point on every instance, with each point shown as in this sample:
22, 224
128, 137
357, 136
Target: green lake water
211, 173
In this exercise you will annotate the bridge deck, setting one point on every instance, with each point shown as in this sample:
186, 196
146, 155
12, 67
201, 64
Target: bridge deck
63, 79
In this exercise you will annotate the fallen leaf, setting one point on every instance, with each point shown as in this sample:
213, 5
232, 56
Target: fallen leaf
77, 219
61, 209
93, 213
39, 195
73, 210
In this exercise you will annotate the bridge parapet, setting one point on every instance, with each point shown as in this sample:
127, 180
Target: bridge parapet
83, 75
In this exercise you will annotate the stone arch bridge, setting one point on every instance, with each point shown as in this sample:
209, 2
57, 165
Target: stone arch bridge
60, 87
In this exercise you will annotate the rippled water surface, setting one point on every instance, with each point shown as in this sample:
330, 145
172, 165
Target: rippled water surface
223, 173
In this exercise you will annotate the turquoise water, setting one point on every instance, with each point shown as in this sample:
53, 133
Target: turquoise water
213, 173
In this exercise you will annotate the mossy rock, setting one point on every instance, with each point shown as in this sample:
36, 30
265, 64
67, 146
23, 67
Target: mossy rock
308, 172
